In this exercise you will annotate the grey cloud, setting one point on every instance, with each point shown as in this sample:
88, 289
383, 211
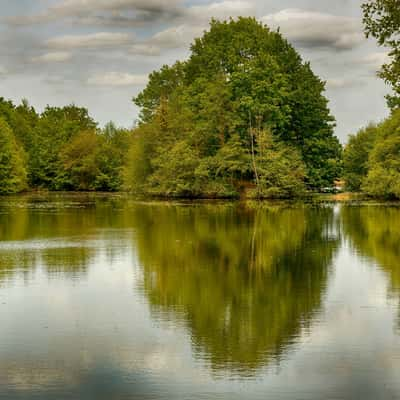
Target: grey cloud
103, 12
130, 13
196, 21
311, 29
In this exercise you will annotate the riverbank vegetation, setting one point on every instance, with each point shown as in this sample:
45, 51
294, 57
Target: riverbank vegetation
244, 115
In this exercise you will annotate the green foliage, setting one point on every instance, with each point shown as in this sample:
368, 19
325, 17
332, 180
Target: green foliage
12, 170
175, 171
55, 128
240, 76
372, 159
233, 159
91, 162
383, 179
138, 165
356, 156
64, 150
382, 21
280, 169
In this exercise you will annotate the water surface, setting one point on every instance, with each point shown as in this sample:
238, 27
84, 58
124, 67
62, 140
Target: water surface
108, 298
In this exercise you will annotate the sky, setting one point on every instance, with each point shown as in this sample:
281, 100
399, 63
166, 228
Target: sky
98, 53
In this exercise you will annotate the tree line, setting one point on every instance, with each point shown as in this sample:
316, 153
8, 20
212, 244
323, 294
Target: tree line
59, 149
243, 114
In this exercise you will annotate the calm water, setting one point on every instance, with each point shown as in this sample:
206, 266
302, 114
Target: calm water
105, 298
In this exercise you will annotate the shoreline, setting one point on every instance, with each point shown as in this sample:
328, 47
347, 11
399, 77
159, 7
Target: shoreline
345, 197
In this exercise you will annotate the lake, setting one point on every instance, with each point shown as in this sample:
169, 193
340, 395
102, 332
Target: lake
104, 297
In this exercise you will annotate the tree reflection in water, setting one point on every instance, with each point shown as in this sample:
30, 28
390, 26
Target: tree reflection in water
244, 280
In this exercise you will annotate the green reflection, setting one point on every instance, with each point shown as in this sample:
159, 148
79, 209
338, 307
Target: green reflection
375, 232
53, 232
243, 280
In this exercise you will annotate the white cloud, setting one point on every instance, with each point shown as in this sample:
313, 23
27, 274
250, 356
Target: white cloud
311, 29
117, 79
341, 83
3, 70
375, 60
145, 50
94, 40
176, 37
221, 10
53, 57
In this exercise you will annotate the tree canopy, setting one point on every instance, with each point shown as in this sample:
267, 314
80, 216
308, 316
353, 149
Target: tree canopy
382, 21
60, 149
203, 120
12, 170
371, 159
356, 156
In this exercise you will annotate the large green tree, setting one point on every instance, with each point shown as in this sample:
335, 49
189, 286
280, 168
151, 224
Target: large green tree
240, 76
382, 21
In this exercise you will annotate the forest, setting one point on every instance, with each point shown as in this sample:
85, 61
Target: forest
244, 115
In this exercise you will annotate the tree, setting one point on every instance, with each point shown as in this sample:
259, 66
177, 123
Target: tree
382, 21
383, 179
12, 170
233, 160
175, 171
56, 127
240, 76
356, 156
280, 169
90, 162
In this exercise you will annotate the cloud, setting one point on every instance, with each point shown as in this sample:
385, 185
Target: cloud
375, 60
3, 70
117, 79
342, 83
196, 21
90, 41
53, 57
103, 11
220, 10
309, 29
130, 13
175, 37
145, 50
